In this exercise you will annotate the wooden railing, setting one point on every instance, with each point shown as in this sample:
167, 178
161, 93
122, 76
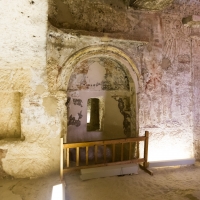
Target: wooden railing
104, 144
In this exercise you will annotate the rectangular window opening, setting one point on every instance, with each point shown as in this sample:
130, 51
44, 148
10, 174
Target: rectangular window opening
93, 111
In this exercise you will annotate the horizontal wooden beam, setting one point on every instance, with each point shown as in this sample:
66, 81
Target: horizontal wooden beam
106, 142
140, 160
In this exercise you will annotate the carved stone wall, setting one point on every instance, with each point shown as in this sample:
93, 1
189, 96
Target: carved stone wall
37, 60
165, 93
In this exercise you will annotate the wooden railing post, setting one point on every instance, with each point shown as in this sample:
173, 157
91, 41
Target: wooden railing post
86, 155
95, 153
77, 156
61, 159
130, 150
64, 150
122, 151
113, 153
104, 153
146, 142
67, 157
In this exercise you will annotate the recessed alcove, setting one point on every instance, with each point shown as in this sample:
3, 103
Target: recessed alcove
103, 101
10, 115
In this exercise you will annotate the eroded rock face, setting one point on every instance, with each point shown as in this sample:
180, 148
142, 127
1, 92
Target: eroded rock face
99, 16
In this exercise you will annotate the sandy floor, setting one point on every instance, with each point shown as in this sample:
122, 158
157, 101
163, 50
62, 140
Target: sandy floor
177, 183
180, 183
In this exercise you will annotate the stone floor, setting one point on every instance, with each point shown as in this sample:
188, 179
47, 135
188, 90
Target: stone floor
172, 183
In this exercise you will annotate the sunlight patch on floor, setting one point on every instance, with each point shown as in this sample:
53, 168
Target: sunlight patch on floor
57, 192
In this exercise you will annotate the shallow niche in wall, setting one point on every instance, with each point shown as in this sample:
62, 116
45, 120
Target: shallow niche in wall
10, 115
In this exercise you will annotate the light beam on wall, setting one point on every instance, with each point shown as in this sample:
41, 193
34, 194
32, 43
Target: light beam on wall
57, 192
169, 152
168, 147
88, 117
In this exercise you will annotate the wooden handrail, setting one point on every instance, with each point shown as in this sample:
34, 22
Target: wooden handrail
145, 164
61, 158
103, 142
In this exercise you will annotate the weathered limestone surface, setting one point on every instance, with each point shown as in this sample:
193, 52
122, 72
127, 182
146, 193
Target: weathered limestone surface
23, 27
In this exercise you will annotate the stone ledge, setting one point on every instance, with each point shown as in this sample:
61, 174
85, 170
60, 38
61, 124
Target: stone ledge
107, 37
166, 163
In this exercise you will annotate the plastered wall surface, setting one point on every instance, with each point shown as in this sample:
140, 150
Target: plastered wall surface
38, 57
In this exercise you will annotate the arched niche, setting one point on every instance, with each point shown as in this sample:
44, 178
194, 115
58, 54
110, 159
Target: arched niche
110, 76
96, 51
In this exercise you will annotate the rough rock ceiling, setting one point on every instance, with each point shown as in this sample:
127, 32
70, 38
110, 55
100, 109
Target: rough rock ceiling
69, 13
111, 16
